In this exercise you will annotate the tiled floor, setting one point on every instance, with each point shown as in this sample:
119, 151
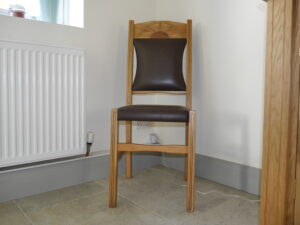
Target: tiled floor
155, 196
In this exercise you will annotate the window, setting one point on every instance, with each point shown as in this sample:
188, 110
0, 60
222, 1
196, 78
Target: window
67, 12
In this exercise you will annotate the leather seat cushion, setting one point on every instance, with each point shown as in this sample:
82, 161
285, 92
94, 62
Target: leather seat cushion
159, 65
158, 113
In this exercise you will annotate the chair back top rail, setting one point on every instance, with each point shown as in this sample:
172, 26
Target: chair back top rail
160, 29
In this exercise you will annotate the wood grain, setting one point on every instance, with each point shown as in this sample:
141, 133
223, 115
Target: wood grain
129, 96
297, 188
113, 172
160, 29
159, 92
188, 78
281, 112
176, 149
295, 70
186, 156
190, 205
267, 109
189, 65
129, 63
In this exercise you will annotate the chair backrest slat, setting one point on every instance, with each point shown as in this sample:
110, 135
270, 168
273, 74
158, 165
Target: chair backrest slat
160, 30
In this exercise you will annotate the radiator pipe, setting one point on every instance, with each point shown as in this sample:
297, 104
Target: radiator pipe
88, 149
89, 142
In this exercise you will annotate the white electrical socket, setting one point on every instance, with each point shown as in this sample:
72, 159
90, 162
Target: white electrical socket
142, 124
154, 139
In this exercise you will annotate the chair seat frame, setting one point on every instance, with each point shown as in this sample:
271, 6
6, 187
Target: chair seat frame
155, 29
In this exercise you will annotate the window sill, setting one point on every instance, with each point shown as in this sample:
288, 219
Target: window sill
32, 18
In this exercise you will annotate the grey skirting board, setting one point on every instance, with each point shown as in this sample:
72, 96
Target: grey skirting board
19, 182
34, 179
235, 175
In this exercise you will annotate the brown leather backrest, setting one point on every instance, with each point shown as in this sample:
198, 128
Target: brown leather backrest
159, 65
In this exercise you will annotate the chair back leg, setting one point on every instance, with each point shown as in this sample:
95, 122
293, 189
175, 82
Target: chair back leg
128, 154
113, 172
186, 156
191, 162
128, 165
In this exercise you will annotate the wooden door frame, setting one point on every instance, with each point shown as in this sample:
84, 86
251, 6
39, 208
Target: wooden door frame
281, 114
296, 70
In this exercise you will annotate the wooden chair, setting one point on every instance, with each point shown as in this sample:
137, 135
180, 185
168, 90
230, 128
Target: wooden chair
159, 48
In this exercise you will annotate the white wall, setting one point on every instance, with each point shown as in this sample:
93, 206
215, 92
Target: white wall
105, 39
228, 67
228, 76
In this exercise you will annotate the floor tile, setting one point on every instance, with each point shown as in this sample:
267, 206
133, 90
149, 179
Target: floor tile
153, 196
11, 215
150, 176
163, 191
93, 210
205, 186
211, 209
174, 177
246, 214
51, 198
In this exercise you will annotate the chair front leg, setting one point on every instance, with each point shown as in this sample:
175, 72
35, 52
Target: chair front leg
191, 162
113, 173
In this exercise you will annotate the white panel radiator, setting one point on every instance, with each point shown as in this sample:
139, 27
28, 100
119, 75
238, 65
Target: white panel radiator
42, 103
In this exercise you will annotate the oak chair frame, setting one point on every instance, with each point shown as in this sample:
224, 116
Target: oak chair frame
155, 29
